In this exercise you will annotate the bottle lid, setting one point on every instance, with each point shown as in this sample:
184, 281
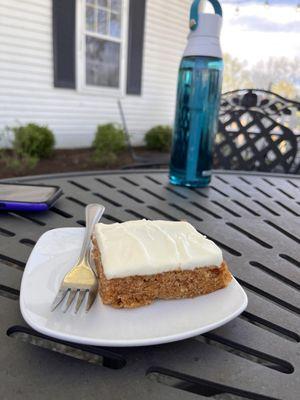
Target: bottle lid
205, 29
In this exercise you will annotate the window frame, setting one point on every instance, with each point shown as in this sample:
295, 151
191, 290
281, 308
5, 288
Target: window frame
81, 34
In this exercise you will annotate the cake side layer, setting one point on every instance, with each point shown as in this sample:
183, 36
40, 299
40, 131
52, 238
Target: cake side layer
152, 247
136, 291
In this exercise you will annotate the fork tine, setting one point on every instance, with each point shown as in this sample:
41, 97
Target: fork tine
70, 299
91, 299
80, 299
59, 298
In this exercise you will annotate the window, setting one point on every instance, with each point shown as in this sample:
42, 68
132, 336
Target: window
103, 41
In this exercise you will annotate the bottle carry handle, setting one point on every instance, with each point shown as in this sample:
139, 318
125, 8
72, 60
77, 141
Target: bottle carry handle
194, 14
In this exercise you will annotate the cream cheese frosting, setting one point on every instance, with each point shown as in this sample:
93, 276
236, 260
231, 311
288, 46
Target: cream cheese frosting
151, 247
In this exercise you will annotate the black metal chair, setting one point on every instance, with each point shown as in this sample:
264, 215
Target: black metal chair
258, 130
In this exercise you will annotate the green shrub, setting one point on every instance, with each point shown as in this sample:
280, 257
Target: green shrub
159, 138
20, 164
34, 141
109, 141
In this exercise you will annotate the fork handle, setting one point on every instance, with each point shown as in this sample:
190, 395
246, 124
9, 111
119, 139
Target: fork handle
93, 213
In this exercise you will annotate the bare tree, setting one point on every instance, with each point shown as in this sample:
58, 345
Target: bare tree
236, 74
278, 74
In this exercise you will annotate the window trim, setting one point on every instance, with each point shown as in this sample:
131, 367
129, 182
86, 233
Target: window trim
82, 87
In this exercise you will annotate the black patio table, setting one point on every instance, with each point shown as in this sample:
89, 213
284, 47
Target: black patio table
253, 217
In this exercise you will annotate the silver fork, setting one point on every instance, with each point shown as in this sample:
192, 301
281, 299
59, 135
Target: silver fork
81, 278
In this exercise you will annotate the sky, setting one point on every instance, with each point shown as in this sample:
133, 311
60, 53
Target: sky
258, 32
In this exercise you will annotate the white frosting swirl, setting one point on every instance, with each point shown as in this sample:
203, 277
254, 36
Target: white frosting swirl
150, 247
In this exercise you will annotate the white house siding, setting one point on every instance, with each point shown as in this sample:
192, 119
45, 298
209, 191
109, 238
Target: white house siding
26, 74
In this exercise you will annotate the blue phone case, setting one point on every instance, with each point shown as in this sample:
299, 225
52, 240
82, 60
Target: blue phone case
18, 206
29, 206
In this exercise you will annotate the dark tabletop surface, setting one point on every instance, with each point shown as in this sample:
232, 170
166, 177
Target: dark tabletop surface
254, 218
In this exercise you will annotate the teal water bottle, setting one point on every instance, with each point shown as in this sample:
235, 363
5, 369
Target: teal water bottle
198, 99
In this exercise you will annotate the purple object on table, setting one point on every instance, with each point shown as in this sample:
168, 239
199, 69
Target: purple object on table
18, 206
27, 197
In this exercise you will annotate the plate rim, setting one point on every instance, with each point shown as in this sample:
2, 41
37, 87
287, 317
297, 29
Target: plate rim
123, 343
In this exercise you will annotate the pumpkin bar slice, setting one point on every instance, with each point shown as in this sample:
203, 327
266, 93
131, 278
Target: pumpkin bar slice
140, 261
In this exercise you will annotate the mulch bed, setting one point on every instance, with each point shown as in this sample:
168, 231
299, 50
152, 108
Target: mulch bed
73, 160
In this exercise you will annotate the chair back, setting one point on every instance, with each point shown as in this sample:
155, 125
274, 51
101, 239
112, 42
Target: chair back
258, 130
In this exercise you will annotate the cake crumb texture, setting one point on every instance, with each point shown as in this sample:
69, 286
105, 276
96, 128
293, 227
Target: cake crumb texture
136, 291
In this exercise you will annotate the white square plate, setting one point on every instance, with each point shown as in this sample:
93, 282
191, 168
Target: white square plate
161, 322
